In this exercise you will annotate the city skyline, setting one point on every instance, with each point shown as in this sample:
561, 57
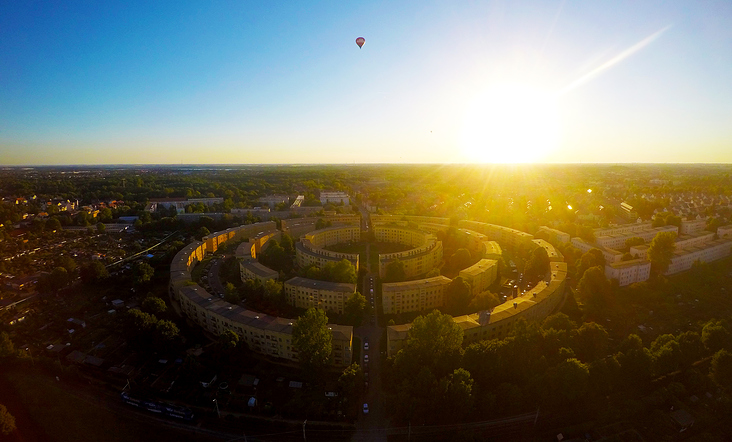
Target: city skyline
555, 82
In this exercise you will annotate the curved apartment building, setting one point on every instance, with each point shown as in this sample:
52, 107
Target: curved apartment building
309, 250
426, 254
268, 335
535, 304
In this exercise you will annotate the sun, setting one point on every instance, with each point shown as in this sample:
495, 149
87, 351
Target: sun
510, 123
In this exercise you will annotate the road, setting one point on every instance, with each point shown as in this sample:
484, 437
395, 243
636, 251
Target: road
213, 276
371, 426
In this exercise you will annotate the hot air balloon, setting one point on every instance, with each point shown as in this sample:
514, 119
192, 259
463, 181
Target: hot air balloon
360, 41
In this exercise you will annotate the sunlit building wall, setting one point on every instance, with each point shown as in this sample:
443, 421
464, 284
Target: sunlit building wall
553, 235
506, 236
330, 296
551, 251
256, 271
480, 275
426, 254
693, 226
628, 272
414, 296
309, 250
535, 304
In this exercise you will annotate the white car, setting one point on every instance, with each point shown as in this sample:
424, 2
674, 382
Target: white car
365, 408
365, 358
365, 345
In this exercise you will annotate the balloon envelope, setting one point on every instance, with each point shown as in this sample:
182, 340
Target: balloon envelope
360, 41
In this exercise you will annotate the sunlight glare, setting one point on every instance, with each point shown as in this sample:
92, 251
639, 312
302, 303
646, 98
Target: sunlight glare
511, 123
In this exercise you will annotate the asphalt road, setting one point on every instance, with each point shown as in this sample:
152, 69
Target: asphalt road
371, 426
214, 281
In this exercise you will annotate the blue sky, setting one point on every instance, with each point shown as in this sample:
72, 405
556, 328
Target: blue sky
259, 82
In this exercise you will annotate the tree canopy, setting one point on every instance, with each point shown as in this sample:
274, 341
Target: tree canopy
594, 289
142, 272
457, 296
7, 421
395, 271
312, 339
538, 264
661, 251
354, 309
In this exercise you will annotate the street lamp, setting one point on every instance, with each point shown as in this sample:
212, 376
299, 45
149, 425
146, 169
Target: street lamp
217, 408
31, 356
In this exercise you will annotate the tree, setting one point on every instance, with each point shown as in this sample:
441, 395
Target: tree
634, 241
272, 288
558, 321
93, 272
341, 271
231, 294
165, 332
7, 349
312, 339
228, 341
355, 309
568, 381
288, 244
673, 220
691, 346
593, 290
636, 361
322, 224
591, 341
715, 336
591, 258
53, 224
721, 369
276, 257
7, 421
154, 305
395, 271
138, 327
68, 263
661, 251
457, 296
203, 231
667, 357
57, 279
351, 380
538, 264
457, 395
434, 341
101, 228
142, 272
460, 259
483, 301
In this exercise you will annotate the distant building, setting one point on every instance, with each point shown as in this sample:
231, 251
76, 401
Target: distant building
628, 272
693, 226
628, 210
274, 200
334, 198
725, 232
553, 235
